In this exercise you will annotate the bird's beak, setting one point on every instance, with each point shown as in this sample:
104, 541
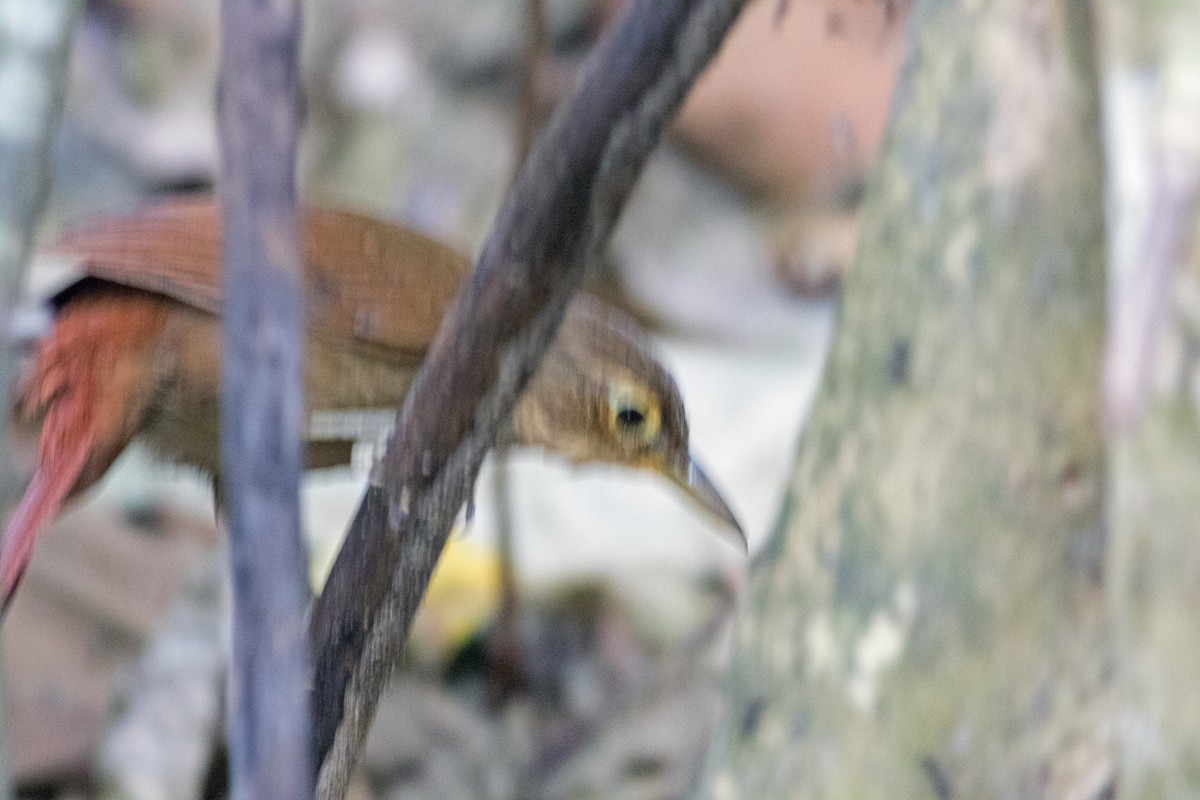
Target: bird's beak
700, 488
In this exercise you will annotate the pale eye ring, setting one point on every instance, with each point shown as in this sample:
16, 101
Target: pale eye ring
633, 413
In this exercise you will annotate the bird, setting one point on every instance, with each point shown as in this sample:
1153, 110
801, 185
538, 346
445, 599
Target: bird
133, 350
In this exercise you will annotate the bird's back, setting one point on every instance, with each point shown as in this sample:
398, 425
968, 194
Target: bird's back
377, 286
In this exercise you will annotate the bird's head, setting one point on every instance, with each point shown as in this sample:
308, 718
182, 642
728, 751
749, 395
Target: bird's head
599, 395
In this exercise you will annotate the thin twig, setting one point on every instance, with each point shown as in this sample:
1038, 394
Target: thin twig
533, 50
505, 659
506, 673
262, 400
34, 46
549, 233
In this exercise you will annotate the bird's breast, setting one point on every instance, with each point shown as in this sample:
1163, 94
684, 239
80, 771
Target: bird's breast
184, 425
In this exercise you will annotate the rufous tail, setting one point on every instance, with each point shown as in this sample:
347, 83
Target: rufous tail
63, 452
43, 498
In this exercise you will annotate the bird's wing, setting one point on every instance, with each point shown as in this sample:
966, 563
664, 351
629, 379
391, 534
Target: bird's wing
377, 284
172, 249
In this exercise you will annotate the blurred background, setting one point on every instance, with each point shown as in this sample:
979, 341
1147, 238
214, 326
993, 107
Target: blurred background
731, 253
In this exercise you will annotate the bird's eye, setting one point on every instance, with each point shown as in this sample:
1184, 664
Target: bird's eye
630, 417
633, 413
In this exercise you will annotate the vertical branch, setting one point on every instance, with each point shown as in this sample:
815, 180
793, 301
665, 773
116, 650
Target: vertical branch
261, 399
506, 674
34, 44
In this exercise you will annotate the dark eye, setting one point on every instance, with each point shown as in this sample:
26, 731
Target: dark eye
630, 417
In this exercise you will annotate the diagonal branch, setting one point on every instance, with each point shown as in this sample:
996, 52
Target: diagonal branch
550, 231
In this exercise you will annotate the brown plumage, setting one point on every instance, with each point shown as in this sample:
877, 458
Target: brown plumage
134, 350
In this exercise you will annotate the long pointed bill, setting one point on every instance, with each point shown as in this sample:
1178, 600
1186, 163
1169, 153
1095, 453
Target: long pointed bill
700, 488
43, 498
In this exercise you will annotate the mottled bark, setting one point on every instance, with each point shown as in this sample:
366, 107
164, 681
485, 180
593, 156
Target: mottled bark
928, 620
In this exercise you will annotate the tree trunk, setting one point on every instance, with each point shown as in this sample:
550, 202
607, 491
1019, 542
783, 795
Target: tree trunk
929, 619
